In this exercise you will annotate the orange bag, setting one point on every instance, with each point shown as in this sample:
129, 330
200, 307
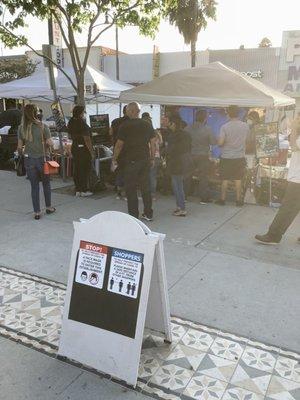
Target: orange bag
51, 168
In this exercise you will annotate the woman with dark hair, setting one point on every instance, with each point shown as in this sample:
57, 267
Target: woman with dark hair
37, 140
82, 151
178, 150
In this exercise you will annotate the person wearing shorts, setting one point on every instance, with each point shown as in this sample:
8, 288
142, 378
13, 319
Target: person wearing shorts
232, 141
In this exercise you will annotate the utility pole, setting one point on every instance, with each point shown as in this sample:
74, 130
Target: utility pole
117, 54
54, 89
118, 64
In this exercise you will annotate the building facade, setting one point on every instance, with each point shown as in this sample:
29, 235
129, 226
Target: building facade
277, 67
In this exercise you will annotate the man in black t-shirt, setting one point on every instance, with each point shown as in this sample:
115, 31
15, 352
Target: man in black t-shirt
119, 173
136, 140
11, 117
115, 126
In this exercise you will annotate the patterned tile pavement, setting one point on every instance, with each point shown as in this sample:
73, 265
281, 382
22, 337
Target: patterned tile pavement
201, 363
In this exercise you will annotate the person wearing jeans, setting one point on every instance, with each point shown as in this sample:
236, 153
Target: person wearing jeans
36, 138
34, 168
178, 151
178, 190
290, 206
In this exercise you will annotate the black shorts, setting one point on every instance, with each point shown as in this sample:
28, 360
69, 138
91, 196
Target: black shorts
232, 169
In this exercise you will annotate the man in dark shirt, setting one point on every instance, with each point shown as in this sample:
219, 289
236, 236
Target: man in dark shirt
119, 173
136, 140
115, 125
11, 117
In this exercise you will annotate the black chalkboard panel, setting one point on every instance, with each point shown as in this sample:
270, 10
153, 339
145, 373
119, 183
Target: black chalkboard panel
115, 306
100, 129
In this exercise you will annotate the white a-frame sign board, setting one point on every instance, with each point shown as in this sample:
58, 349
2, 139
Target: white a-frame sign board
116, 286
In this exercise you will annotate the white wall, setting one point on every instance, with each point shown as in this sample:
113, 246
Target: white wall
170, 62
138, 68
133, 67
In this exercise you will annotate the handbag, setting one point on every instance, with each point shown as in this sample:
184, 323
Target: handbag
20, 166
50, 167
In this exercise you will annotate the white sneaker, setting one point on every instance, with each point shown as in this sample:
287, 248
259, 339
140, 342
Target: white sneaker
78, 194
86, 194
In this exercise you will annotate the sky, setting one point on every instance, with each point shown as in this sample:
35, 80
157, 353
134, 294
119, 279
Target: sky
238, 22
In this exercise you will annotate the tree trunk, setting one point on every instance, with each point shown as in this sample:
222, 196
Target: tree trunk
193, 53
80, 90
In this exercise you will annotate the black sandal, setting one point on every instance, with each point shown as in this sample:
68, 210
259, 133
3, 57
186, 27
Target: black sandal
51, 210
37, 217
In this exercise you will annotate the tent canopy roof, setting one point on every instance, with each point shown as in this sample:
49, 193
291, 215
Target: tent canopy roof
36, 86
212, 85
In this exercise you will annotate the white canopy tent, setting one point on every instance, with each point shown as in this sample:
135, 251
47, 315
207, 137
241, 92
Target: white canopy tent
36, 86
211, 85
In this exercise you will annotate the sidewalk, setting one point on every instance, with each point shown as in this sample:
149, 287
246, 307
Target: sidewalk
201, 363
217, 275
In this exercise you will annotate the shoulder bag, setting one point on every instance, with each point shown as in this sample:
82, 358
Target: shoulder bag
50, 167
20, 166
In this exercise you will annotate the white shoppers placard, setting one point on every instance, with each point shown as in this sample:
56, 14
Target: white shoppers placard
90, 266
125, 272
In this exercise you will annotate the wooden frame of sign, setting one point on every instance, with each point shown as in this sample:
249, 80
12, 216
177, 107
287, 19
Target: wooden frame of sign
116, 285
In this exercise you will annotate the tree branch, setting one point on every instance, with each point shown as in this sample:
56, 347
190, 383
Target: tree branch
89, 38
72, 47
114, 19
40, 55
101, 32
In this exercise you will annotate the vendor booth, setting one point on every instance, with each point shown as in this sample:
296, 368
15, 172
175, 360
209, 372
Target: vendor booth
99, 88
213, 87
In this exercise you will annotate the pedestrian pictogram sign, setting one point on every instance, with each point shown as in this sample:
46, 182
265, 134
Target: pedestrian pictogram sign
124, 273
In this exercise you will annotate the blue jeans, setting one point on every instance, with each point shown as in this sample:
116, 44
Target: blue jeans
178, 190
153, 175
34, 168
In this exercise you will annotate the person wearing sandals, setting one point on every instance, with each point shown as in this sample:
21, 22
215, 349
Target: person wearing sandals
37, 140
82, 151
179, 145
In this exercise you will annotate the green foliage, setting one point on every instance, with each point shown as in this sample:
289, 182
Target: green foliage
15, 68
79, 14
75, 15
190, 16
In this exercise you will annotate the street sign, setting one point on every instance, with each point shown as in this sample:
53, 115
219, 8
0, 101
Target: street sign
116, 286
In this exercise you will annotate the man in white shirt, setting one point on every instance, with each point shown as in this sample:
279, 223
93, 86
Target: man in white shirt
291, 202
232, 141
